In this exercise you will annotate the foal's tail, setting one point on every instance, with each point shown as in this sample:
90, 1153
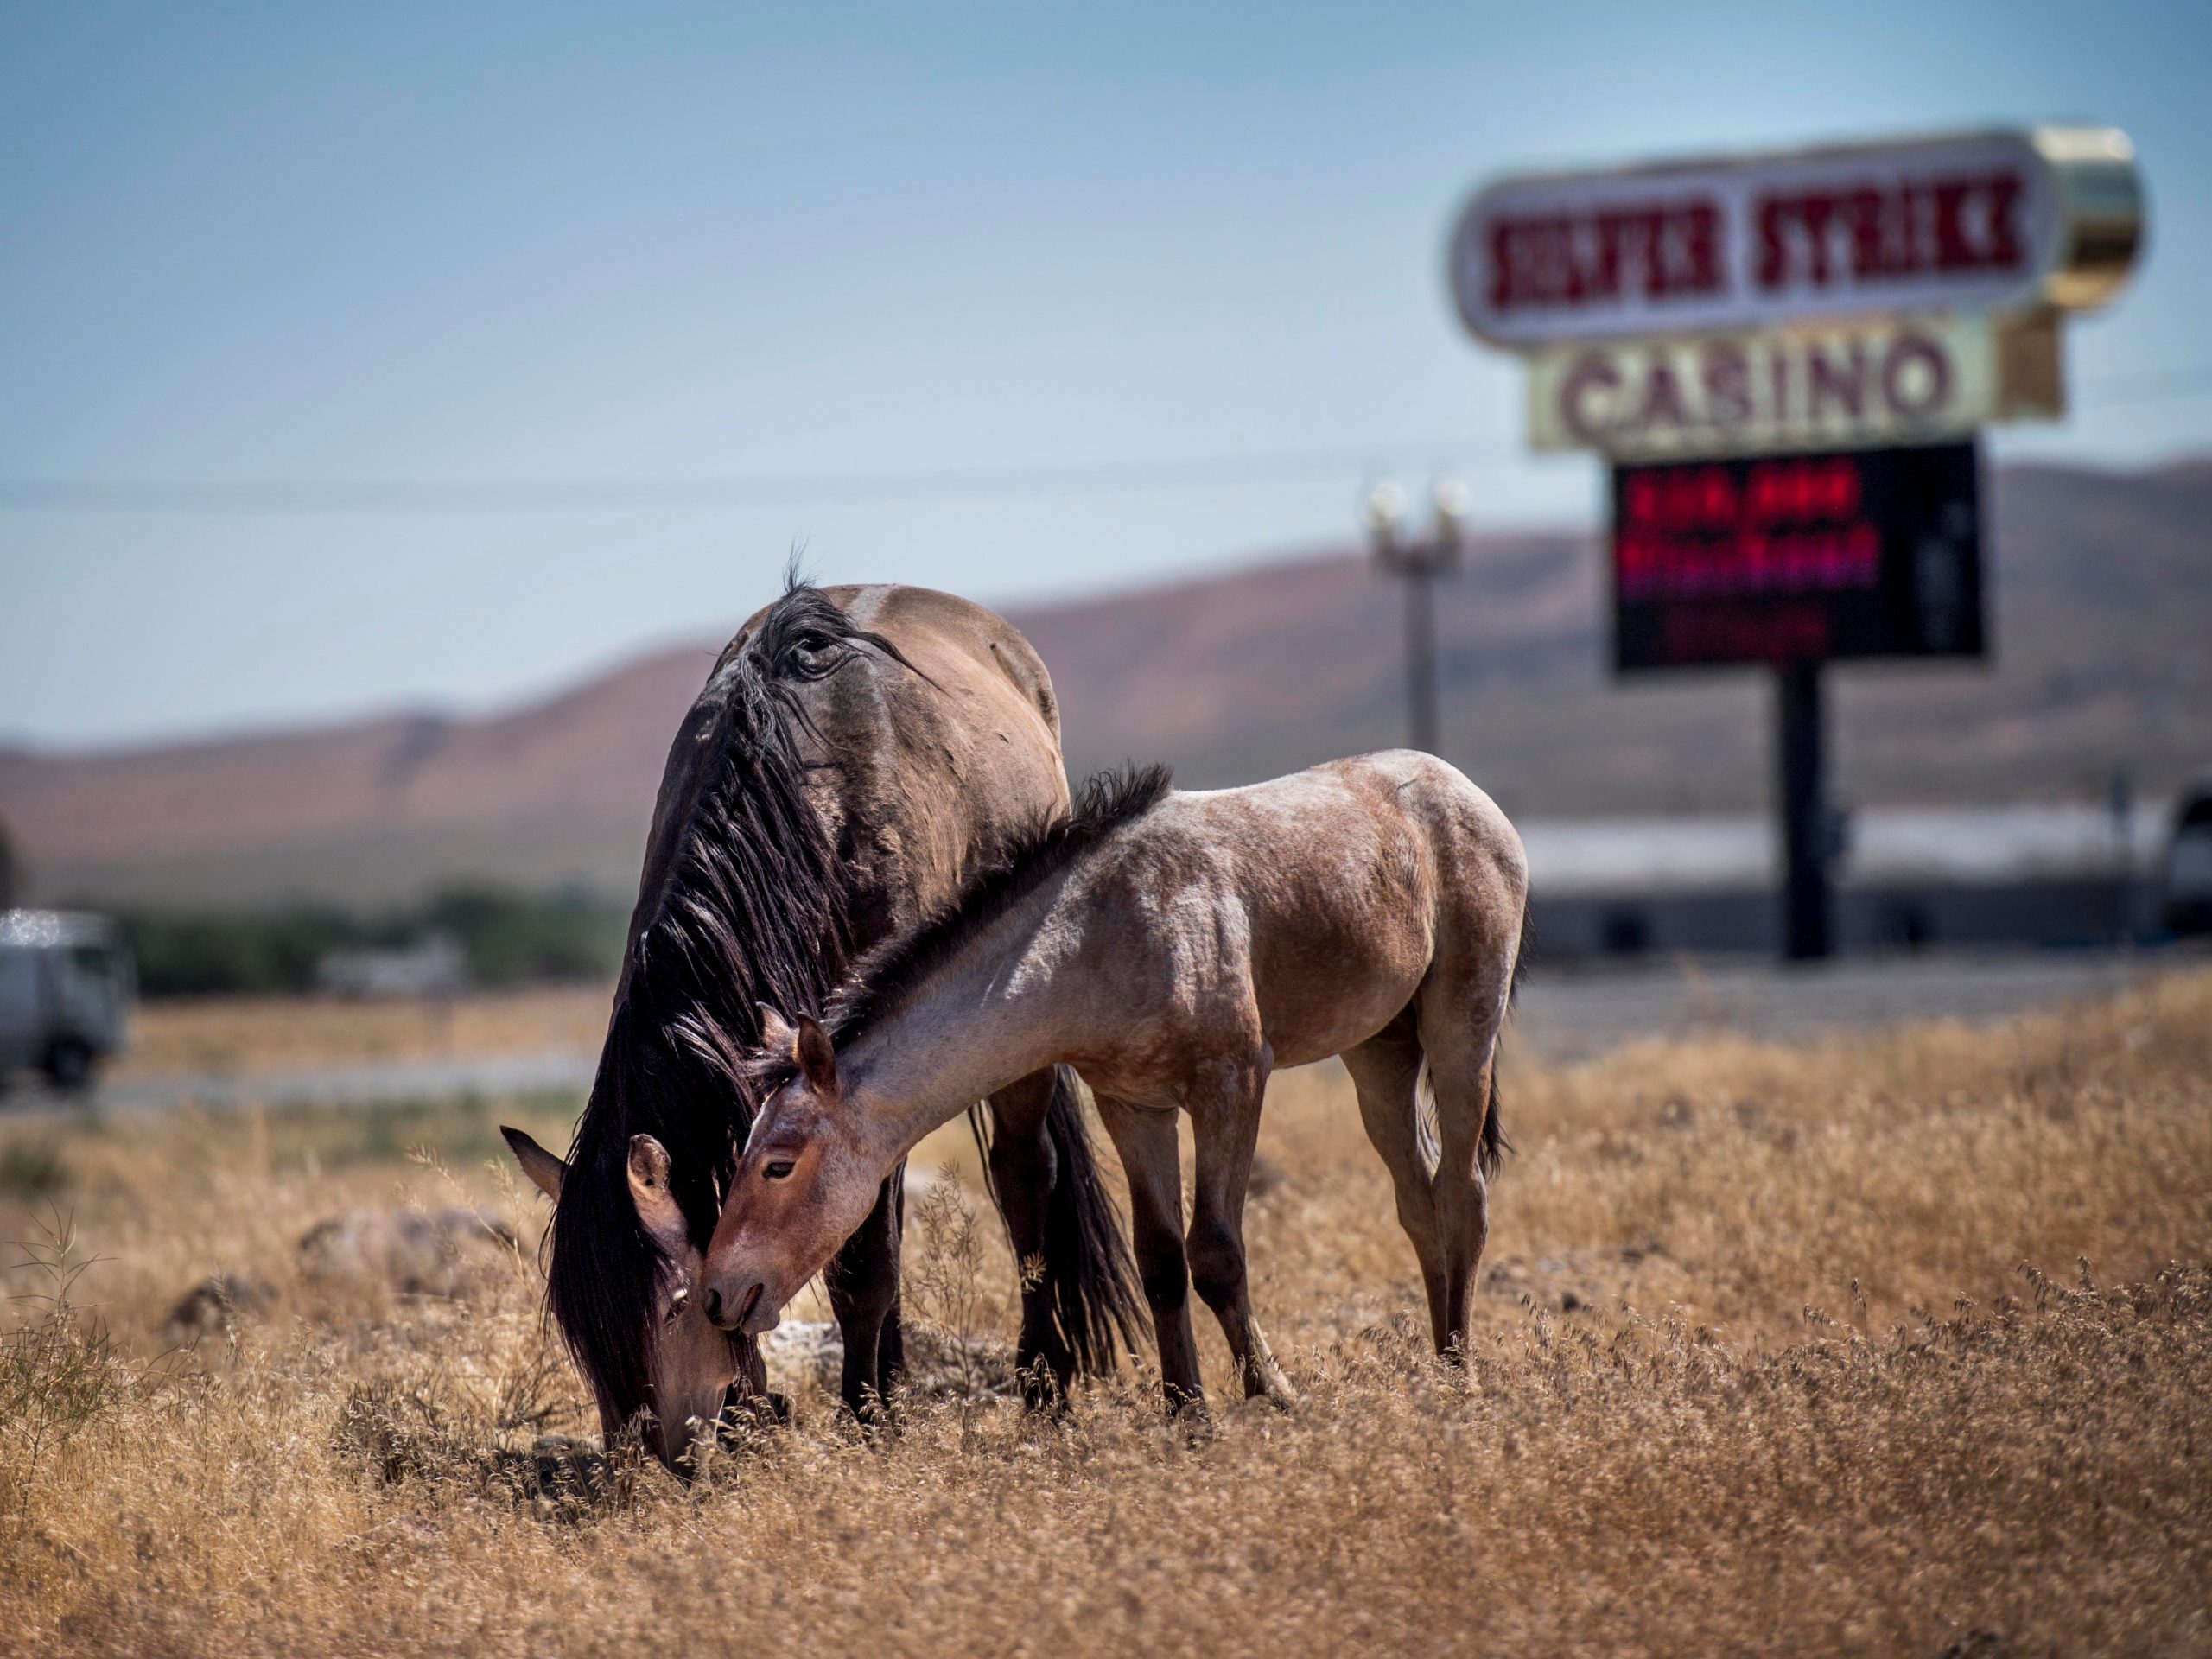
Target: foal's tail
1491, 1151
1088, 1274
1495, 1146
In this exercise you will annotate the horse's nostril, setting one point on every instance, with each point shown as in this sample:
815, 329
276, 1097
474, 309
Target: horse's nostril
713, 1306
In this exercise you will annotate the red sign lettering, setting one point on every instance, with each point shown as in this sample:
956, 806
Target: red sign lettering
1656, 251
1943, 226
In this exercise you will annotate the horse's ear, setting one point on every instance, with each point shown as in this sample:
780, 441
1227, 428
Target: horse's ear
546, 1172
649, 1190
777, 1036
816, 1055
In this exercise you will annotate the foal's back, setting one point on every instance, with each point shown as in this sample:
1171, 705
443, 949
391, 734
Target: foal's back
1311, 910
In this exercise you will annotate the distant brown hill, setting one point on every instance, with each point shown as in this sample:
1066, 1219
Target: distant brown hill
2102, 586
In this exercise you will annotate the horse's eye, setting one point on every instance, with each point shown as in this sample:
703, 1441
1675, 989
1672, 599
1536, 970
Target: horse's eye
777, 1170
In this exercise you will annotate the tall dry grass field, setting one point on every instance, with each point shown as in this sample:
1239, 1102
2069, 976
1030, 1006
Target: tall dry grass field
1900, 1344
243, 1035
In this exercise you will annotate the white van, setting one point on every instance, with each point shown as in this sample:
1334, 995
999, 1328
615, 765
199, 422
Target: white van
66, 988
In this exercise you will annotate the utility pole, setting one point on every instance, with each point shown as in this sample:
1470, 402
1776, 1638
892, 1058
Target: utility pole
1417, 562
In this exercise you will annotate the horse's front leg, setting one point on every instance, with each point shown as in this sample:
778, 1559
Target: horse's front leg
1023, 1171
863, 1284
1224, 1128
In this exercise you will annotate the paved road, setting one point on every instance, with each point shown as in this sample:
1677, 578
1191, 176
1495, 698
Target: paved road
1571, 1013
491, 1075
1566, 1013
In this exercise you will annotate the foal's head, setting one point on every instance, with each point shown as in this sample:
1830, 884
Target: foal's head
802, 1186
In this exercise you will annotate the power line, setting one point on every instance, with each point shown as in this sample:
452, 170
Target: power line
1013, 482
1005, 483
2147, 386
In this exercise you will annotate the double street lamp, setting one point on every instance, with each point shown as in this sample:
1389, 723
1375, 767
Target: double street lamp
1418, 560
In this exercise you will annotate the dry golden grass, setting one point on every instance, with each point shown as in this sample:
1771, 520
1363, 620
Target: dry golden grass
244, 1035
1759, 1369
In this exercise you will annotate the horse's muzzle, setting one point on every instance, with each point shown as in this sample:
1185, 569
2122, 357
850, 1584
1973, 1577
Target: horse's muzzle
743, 1316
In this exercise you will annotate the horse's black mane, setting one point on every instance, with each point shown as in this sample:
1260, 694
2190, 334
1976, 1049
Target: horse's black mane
886, 977
742, 903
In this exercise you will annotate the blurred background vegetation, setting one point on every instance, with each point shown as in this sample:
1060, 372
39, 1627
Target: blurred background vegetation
507, 936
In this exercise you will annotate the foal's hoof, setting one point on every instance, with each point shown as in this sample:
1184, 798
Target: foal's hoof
1263, 1380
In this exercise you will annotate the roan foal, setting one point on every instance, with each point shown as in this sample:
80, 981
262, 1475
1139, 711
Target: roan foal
1174, 949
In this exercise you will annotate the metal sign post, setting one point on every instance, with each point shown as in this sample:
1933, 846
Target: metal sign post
1803, 791
1787, 358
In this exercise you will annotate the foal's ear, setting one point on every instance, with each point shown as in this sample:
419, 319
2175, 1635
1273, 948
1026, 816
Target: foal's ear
546, 1172
649, 1190
777, 1036
816, 1057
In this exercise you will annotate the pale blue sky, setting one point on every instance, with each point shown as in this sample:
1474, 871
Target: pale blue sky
257, 245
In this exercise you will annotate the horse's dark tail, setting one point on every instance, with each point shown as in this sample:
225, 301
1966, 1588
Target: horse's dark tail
1087, 1266
1089, 1279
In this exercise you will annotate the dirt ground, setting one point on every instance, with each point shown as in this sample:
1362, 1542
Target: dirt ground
1894, 1341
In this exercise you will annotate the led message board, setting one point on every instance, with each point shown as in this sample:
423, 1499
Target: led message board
1797, 558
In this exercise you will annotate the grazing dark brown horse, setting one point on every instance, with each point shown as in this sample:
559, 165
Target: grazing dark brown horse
855, 753
1173, 948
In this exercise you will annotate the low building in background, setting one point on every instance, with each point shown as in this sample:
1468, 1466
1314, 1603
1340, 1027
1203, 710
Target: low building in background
435, 965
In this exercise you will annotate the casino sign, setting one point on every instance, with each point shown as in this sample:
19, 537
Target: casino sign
1848, 384
1840, 302
2003, 222
1788, 359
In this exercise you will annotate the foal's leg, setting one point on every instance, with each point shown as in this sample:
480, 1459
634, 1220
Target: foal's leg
1022, 1174
1145, 1138
1224, 1123
1461, 1059
1386, 1070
